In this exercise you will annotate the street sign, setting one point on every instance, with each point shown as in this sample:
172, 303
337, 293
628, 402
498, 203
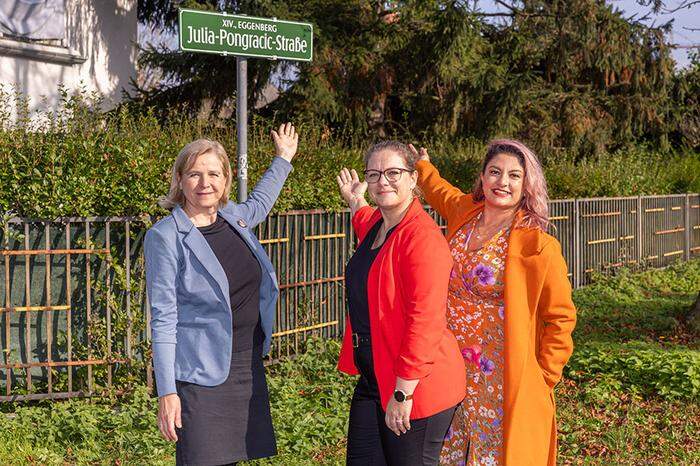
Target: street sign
244, 36
224, 34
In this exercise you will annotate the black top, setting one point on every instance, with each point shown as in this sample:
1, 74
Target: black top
244, 276
356, 275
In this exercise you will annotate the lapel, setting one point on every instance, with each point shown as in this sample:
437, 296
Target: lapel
385, 262
196, 242
415, 209
524, 247
453, 226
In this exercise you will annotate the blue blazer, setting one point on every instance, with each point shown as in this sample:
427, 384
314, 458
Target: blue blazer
191, 323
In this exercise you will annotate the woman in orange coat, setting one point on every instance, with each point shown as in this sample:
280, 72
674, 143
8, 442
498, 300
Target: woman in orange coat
411, 372
509, 305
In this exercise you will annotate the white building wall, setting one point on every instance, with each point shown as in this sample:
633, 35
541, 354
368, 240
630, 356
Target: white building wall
99, 54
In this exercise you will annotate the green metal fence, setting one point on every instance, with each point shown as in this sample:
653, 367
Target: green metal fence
74, 314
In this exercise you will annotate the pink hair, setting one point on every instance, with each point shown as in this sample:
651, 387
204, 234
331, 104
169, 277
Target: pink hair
534, 204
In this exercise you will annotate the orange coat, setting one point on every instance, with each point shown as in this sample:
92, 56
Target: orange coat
407, 298
540, 317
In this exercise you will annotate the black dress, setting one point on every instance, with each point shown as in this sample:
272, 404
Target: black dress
231, 422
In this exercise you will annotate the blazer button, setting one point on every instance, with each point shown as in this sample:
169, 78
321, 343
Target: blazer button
242, 224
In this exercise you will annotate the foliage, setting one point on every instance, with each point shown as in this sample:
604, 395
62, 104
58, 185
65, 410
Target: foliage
558, 74
85, 162
622, 401
631, 171
647, 306
307, 389
623, 428
631, 335
310, 390
637, 368
84, 432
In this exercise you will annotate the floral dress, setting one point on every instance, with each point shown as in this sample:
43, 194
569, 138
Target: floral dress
475, 314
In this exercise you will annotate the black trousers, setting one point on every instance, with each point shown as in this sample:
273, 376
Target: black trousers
371, 442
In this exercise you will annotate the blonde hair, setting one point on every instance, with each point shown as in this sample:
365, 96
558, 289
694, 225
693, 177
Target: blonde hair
534, 203
184, 161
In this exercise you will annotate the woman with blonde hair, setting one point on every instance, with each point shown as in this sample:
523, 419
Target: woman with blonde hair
212, 291
509, 306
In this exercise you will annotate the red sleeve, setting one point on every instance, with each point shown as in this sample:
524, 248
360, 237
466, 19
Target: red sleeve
425, 265
362, 221
346, 360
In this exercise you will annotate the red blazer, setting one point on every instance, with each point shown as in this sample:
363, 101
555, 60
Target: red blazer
407, 297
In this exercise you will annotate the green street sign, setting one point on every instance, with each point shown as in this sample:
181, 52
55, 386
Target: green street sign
224, 34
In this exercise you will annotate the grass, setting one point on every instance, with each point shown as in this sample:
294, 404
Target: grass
645, 306
625, 429
629, 396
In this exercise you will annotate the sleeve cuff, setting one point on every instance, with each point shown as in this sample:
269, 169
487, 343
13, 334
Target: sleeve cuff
164, 368
282, 164
411, 372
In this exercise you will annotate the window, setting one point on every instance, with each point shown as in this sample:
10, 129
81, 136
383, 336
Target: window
36, 29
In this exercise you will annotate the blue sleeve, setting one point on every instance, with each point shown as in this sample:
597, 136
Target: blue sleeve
260, 201
161, 274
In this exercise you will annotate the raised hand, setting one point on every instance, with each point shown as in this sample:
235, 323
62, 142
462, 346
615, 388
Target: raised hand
422, 154
286, 141
352, 189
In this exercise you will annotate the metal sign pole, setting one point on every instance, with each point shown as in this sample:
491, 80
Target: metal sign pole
242, 125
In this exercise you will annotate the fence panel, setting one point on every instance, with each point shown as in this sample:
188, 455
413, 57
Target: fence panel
663, 225
693, 223
59, 280
74, 317
562, 219
608, 234
309, 250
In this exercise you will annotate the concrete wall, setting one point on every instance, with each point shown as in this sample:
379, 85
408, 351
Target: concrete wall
99, 53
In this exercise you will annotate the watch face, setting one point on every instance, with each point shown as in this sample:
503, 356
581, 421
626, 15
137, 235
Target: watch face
399, 396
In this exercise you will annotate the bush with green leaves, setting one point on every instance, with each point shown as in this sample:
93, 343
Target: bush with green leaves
83, 432
638, 368
81, 161
631, 335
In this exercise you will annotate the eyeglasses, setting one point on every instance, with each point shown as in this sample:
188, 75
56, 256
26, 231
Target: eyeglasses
392, 175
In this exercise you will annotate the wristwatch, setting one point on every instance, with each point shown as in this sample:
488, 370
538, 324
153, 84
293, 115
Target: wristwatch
401, 396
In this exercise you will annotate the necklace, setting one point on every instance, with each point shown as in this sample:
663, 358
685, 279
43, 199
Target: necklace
488, 233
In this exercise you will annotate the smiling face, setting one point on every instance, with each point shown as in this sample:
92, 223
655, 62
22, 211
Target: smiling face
502, 181
391, 194
203, 183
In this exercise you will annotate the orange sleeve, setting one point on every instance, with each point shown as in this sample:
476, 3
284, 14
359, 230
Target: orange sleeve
439, 193
558, 314
362, 221
424, 273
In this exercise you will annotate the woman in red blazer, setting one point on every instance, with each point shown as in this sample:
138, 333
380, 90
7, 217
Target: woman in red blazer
411, 371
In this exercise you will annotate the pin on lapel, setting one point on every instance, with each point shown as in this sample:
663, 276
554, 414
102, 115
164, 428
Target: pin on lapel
242, 224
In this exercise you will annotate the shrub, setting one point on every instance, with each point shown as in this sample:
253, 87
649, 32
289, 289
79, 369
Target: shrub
641, 368
84, 162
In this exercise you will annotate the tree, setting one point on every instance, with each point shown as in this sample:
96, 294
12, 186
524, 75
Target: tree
557, 73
